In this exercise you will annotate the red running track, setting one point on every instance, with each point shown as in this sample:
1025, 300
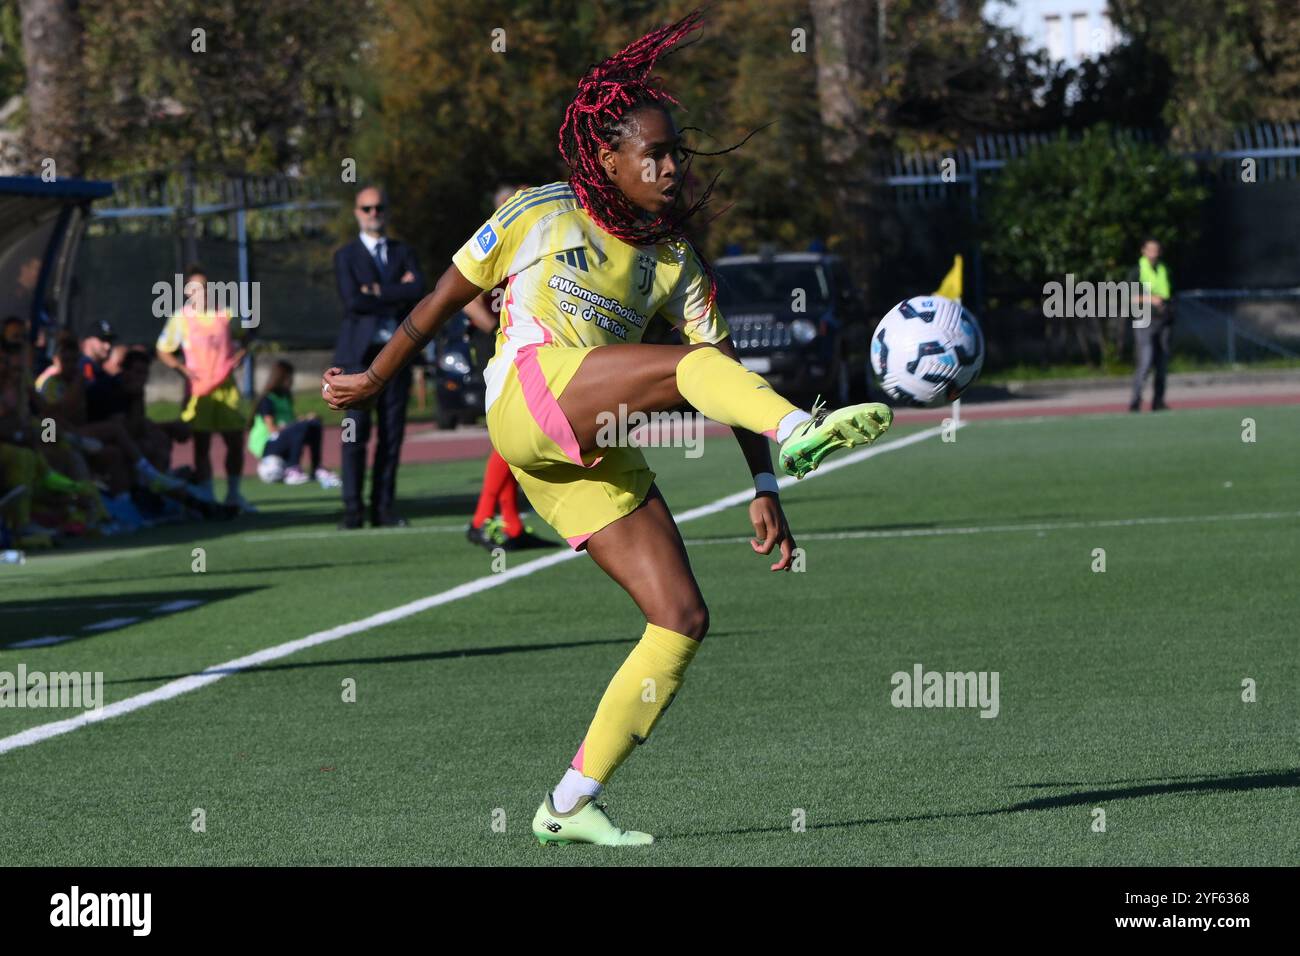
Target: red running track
425, 443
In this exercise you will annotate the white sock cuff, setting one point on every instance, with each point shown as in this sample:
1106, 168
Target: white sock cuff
791, 421
573, 787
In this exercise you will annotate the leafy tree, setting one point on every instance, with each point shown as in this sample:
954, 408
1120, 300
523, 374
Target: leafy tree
262, 87
444, 86
1231, 63
12, 79
1083, 207
456, 108
11, 51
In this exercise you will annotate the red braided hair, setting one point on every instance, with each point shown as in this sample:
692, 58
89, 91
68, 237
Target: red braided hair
607, 93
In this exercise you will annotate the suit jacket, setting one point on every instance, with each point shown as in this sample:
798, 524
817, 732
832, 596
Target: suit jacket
354, 267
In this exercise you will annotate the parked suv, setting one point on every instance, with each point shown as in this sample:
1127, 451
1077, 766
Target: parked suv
796, 320
457, 357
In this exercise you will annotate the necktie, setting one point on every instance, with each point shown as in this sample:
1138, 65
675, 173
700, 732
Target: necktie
381, 252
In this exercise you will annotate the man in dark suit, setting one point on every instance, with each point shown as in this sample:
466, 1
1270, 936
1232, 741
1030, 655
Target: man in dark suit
379, 281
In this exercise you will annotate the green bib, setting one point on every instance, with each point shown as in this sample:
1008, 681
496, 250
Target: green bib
259, 434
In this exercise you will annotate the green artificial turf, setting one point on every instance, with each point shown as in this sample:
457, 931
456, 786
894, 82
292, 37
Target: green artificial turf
1118, 691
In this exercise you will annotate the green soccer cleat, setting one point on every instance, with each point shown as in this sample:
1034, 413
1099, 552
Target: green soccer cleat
585, 823
828, 431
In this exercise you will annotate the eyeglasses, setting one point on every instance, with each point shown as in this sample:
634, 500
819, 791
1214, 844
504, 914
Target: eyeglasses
377, 208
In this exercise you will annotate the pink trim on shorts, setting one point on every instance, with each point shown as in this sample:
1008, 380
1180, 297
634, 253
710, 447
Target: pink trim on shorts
542, 404
579, 540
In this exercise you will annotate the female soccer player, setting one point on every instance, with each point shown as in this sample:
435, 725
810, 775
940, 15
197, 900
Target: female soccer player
208, 340
587, 263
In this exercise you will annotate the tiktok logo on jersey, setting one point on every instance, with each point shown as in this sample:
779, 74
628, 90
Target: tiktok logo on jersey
645, 267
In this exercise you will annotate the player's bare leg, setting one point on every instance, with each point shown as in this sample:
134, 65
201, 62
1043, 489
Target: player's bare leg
623, 379
644, 553
641, 377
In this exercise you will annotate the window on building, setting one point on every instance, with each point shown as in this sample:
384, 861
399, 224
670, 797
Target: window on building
1055, 37
1083, 47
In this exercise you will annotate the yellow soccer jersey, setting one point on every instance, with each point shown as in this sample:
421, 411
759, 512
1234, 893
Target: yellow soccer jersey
570, 283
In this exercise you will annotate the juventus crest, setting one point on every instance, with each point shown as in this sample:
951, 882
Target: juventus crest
645, 269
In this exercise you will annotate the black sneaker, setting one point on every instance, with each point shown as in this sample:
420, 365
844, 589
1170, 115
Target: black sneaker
523, 541
479, 536
350, 522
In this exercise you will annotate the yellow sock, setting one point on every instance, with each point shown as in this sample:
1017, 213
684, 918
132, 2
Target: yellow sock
727, 392
634, 701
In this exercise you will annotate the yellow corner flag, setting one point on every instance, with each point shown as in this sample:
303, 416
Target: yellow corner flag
950, 288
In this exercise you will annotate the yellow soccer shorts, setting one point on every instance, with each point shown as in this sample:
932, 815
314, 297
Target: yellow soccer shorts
217, 411
575, 495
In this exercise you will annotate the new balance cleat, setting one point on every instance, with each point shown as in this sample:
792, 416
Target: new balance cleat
585, 823
828, 431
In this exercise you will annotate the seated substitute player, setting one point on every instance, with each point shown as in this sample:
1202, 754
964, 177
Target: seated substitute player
587, 263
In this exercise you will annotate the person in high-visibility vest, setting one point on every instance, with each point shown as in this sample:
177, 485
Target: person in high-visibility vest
1151, 344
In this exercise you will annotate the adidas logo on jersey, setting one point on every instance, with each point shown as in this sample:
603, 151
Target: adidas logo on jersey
573, 257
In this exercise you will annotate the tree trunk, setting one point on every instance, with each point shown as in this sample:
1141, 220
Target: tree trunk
51, 33
847, 56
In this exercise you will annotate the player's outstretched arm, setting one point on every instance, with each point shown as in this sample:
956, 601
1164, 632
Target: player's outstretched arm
770, 527
448, 297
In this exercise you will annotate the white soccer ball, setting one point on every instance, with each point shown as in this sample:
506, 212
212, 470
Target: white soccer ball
927, 350
271, 469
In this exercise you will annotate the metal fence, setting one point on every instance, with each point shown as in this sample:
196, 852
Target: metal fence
1250, 229
1239, 325
278, 231
921, 177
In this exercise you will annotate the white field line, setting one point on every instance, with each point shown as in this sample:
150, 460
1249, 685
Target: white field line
215, 673
1001, 528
